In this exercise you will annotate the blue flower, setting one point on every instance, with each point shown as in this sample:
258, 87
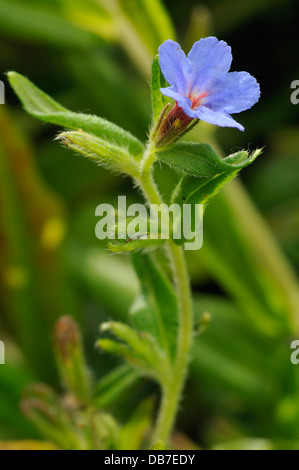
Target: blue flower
202, 85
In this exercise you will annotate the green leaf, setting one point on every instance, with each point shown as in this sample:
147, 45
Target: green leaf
141, 350
204, 172
130, 246
207, 173
40, 105
134, 431
41, 405
191, 190
158, 81
136, 233
114, 384
101, 151
113, 347
129, 336
159, 445
104, 430
155, 310
201, 161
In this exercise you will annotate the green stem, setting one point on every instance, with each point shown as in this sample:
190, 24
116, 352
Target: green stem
172, 390
146, 174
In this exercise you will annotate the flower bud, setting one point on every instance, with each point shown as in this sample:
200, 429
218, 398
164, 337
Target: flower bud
171, 126
70, 358
42, 406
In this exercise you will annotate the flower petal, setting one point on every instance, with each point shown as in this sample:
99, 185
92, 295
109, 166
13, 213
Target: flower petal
233, 93
219, 118
182, 101
174, 65
210, 58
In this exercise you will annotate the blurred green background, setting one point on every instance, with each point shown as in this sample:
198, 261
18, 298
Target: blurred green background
95, 56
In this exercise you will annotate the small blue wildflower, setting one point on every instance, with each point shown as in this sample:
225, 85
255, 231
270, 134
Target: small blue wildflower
202, 85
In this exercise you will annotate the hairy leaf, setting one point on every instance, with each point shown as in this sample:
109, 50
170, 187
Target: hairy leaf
155, 310
40, 105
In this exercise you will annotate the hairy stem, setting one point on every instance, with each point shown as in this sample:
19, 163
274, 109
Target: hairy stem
172, 390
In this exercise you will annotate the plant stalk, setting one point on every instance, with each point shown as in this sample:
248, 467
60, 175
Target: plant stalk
172, 390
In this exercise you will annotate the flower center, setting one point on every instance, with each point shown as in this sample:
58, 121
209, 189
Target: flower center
197, 101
